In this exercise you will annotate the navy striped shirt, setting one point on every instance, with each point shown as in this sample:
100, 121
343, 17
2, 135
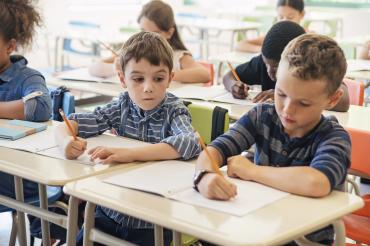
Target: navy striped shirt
169, 123
326, 148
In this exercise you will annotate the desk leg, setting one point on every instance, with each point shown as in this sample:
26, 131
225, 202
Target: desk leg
18, 184
176, 238
340, 233
44, 223
158, 235
219, 73
89, 222
72, 221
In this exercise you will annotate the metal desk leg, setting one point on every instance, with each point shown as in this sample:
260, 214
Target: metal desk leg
72, 221
158, 235
176, 238
340, 233
44, 223
89, 222
18, 185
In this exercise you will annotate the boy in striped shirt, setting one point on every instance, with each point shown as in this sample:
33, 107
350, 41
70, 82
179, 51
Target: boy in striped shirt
298, 150
144, 112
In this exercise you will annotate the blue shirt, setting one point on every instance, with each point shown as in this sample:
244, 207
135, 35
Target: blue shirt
327, 147
17, 81
169, 123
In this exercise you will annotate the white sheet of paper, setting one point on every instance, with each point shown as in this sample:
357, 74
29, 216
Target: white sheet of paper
34, 142
82, 74
199, 92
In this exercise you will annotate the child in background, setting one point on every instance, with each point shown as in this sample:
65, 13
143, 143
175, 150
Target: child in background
365, 51
157, 16
144, 112
298, 150
261, 70
23, 92
292, 10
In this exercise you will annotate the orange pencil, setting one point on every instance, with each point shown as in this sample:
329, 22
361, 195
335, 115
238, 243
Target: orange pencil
213, 162
233, 71
68, 124
107, 47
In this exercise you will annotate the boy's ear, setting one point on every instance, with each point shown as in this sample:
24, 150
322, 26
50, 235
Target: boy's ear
334, 99
12, 46
122, 78
172, 74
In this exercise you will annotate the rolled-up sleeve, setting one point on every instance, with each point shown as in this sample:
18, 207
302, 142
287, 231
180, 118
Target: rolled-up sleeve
183, 138
37, 108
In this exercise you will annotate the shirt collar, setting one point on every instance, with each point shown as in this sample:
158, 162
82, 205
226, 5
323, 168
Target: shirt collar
17, 62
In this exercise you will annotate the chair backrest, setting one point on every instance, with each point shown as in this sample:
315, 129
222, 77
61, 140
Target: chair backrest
360, 161
209, 121
211, 71
61, 98
356, 91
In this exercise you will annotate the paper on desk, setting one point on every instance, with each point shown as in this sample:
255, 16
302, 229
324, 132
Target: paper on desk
34, 142
101, 140
82, 74
358, 65
173, 179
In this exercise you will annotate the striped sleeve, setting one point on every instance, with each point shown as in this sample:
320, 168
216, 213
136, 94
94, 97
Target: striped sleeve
97, 122
240, 137
333, 156
182, 136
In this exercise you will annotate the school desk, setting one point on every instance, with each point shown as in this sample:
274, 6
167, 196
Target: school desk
206, 25
279, 222
44, 171
234, 57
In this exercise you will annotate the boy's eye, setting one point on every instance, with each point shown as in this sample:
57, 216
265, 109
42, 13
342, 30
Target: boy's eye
158, 79
138, 79
304, 104
281, 95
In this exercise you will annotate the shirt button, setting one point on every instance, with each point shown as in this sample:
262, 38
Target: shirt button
284, 152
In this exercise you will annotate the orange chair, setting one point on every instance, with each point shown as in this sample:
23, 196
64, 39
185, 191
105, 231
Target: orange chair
357, 224
356, 91
211, 72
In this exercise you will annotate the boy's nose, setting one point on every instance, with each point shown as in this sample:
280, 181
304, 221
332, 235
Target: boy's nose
148, 86
288, 108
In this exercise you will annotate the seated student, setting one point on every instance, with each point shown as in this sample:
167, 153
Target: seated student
292, 10
19, 84
145, 112
365, 51
262, 69
298, 150
157, 16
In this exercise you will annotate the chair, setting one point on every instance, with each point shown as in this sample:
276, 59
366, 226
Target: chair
357, 224
54, 193
211, 71
356, 91
209, 121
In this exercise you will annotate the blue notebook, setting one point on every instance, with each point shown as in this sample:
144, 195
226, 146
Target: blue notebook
15, 129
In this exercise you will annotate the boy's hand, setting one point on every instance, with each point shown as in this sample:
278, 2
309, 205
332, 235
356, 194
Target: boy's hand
239, 90
214, 186
74, 148
264, 96
110, 155
240, 167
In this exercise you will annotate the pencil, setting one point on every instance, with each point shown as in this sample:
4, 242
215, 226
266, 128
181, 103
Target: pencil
107, 47
233, 71
213, 162
68, 124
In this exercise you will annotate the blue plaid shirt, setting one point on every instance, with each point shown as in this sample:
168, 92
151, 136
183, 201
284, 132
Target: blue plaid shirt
17, 81
169, 123
326, 148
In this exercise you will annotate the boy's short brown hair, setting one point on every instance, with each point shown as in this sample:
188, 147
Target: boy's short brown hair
316, 57
148, 45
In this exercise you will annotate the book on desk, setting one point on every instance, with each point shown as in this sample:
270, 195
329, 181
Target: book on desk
15, 129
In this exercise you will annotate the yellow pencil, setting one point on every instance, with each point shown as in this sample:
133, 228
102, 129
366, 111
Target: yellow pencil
107, 47
233, 71
213, 162
68, 124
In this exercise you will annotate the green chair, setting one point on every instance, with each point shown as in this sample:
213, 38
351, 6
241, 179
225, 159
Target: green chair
209, 121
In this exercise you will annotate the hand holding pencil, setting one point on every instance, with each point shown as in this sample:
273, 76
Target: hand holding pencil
239, 90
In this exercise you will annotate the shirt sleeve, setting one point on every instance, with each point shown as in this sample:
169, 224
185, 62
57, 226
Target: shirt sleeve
37, 108
182, 138
240, 137
97, 122
333, 156
249, 72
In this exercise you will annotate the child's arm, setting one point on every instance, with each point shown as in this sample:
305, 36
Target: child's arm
102, 68
343, 104
12, 110
154, 152
305, 181
238, 89
191, 71
71, 148
250, 45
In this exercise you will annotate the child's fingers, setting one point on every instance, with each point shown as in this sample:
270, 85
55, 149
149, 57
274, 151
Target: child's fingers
229, 189
92, 150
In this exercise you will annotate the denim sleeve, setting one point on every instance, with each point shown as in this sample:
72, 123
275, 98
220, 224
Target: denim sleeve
37, 108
